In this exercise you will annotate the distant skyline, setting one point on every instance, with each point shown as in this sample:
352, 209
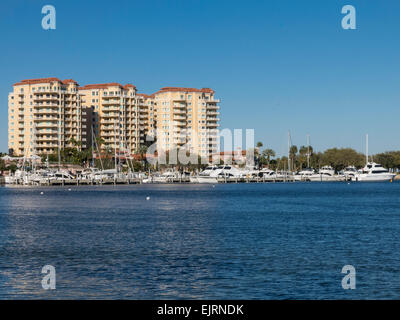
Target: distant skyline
276, 65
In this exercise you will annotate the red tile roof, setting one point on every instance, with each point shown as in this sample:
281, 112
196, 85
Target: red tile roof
69, 81
145, 95
105, 86
182, 89
43, 80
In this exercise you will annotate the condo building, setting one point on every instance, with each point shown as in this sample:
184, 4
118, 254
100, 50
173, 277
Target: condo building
148, 118
44, 115
47, 114
187, 118
115, 115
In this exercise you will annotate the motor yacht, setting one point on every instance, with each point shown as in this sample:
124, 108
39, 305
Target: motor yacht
350, 173
304, 175
374, 172
326, 173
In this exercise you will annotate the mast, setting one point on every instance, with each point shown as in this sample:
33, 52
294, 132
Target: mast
97, 149
289, 151
115, 147
308, 151
92, 136
367, 148
59, 144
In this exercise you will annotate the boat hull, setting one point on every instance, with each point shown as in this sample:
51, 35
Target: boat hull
374, 178
206, 179
324, 178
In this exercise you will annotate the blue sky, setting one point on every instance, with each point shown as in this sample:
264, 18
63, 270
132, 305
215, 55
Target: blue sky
277, 65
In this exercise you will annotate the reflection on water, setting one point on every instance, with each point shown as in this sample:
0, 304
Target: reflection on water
251, 241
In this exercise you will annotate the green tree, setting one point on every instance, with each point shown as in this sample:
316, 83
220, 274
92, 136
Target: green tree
293, 156
266, 156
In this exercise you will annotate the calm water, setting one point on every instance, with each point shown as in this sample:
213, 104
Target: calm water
250, 241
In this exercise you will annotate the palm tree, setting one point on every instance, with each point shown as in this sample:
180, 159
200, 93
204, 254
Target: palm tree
268, 153
292, 153
142, 151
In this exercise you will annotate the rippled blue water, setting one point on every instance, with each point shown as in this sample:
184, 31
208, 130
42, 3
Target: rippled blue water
235, 241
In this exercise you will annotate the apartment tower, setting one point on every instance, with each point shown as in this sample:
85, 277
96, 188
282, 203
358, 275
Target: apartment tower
187, 118
44, 115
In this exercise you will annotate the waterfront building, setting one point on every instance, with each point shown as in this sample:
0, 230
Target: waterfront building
187, 117
44, 115
115, 115
148, 118
47, 114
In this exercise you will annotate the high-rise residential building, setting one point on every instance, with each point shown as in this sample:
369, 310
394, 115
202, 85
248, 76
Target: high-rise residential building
44, 115
187, 117
148, 118
47, 114
115, 115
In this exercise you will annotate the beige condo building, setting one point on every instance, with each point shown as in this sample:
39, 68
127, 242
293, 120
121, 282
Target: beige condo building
148, 118
44, 115
47, 114
121, 118
187, 118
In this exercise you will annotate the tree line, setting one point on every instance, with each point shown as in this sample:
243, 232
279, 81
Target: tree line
338, 158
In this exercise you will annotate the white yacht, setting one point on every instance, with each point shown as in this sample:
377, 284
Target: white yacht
304, 175
374, 172
267, 173
350, 173
326, 173
231, 172
211, 174
205, 173
165, 177
19, 177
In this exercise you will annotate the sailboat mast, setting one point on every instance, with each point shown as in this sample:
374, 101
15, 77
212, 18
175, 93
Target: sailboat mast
115, 147
289, 151
367, 148
308, 150
59, 145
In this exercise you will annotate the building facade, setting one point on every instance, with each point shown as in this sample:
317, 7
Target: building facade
47, 114
44, 115
187, 118
115, 115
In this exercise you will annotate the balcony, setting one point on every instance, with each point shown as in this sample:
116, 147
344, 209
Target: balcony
212, 107
212, 125
46, 125
50, 113
212, 119
179, 111
213, 100
212, 113
110, 115
111, 102
45, 105
45, 132
179, 118
46, 138
45, 97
